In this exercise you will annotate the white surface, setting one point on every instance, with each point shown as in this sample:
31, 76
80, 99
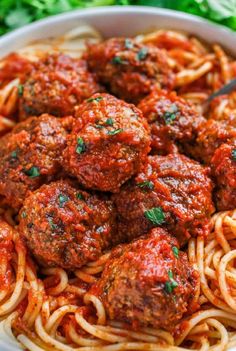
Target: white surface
114, 21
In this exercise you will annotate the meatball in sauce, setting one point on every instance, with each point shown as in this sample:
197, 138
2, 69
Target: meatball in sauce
65, 226
129, 69
148, 282
173, 191
109, 143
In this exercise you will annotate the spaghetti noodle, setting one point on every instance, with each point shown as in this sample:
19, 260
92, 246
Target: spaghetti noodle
51, 309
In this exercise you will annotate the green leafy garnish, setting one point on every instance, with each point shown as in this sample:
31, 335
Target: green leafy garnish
96, 99
128, 44
20, 89
171, 284
109, 122
80, 196
80, 146
233, 154
114, 132
14, 154
147, 184
52, 224
155, 215
117, 60
175, 251
33, 172
142, 54
23, 214
170, 115
62, 199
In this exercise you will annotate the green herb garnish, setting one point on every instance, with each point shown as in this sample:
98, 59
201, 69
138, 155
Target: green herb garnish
62, 199
128, 44
170, 115
155, 215
142, 54
96, 99
14, 154
233, 154
52, 225
114, 132
117, 60
147, 184
33, 172
109, 122
171, 284
80, 196
80, 146
23, 214
20, 89
175, 251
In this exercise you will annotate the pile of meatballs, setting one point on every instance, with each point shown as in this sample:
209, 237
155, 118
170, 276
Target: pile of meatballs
106, 157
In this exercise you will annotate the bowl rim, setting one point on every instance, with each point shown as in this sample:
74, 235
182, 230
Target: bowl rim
114, 10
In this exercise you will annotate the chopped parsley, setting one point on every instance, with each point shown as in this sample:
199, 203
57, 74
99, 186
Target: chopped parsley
171, 284
33, 172
170, 115
117, 60
20, 89
109, 122
52, 225
62, 199
96, 99
142, 54
155, 215
14, 154
114, 132
23, 214
175, 251
147, 184
234, 154
128, 44
80, 146
80, 196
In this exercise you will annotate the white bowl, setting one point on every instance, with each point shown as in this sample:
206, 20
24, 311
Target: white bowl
114, 21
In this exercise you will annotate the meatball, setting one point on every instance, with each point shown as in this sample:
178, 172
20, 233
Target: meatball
171, 119
108, 144
56, 84
29, 156
211, 135
148, 282
223, 165
129, 69
173, 191
66, 227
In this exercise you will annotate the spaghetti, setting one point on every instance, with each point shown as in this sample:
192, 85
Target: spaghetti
51, 309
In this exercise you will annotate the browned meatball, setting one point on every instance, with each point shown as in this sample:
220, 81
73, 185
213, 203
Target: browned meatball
29, 156
129, 69
108, 144
211, 135
56, 84
223, 165
171, 120
66, 227
172, 191
148, 282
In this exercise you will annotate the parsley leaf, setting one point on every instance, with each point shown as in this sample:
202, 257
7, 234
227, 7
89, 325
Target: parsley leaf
171, 284
23, 214
20, 89
170, 115
147, 184
14, 154
80, 196
52, 224
233, 154
128, 44
96, 99
155, 215
175, 251
114, 132
62, 199
80, 146
141, 55
109, 122
33, 172
117, 60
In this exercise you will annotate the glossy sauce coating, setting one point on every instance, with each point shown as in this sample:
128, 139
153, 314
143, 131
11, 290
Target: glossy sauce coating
108, 144
65, 226
176, 184
171, 120
129, 69
223, 166
6, 252
148, 282
29, 156
56, 84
